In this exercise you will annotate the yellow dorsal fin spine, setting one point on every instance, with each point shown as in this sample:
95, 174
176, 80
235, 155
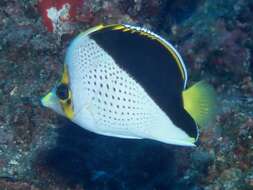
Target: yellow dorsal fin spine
200, 102
101, 27
91, 30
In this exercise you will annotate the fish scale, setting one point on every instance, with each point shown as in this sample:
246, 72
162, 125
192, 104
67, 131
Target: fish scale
118, 102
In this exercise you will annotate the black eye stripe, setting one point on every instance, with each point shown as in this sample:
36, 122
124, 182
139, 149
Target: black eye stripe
62, 92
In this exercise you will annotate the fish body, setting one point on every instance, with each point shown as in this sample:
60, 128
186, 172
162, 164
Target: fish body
128, 82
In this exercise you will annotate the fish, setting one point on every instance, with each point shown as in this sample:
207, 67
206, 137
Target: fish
125, 81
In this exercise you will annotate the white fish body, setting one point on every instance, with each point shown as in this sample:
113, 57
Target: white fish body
125, 81
108, 101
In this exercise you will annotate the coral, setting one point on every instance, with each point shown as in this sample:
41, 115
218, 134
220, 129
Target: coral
57, 15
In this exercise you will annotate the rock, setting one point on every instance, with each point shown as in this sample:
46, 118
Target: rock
9, 185
39, 150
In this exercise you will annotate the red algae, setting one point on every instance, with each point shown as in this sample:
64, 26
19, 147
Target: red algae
55, 12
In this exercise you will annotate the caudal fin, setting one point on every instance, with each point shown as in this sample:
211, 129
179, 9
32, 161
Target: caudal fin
200, 102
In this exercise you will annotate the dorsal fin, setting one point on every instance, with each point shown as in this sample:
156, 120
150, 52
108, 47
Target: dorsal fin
150, 35
161, 40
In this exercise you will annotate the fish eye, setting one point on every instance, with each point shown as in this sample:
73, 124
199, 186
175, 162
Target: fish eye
62, 91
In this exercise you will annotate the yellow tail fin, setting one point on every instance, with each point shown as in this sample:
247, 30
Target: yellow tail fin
200, 102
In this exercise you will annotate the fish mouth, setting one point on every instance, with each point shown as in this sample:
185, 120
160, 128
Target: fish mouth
47, 99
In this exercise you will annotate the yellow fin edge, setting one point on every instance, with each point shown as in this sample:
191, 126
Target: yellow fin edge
200, 102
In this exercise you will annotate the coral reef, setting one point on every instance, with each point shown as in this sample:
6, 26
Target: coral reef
40, 150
